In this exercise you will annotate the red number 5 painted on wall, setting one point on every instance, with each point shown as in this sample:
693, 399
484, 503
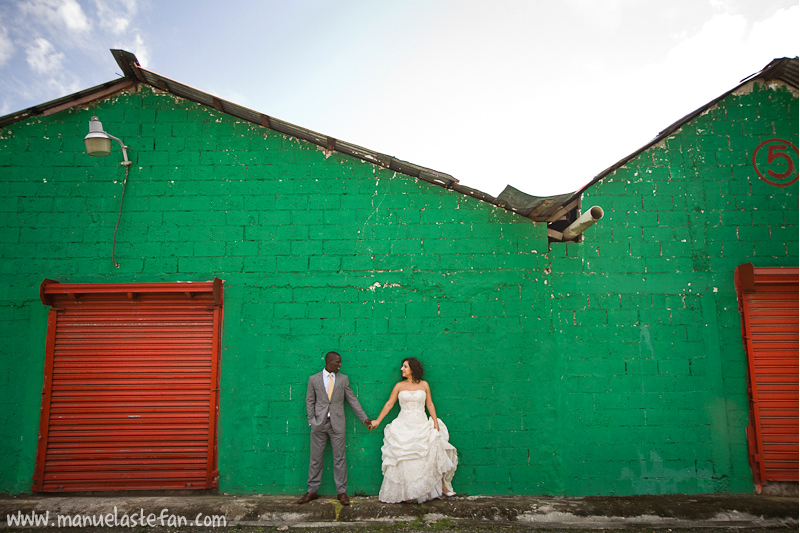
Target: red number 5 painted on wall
780, 152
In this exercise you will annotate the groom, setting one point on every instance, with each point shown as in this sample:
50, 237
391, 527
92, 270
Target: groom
327, 391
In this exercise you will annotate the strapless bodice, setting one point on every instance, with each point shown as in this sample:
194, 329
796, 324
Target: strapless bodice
412, 403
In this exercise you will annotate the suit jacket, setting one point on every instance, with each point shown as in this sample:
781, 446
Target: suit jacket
318, 406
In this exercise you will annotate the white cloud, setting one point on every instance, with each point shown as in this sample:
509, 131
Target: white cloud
726, 49
726, 43
52, 80
776, 36
42, 57
115, 15
607, 14
6, 46
66, 13
73, 15
63, 84
137, 47
50, 48
717, 41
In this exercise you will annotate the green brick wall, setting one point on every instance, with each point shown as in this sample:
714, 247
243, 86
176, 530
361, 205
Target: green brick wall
654, 372
611, 366
318, 252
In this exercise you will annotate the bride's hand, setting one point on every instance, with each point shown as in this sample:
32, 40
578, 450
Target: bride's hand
436, 426
373, 425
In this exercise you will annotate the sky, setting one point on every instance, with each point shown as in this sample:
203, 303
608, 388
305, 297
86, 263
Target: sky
541, 95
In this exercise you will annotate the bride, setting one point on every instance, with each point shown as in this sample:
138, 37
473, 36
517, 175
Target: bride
418, 460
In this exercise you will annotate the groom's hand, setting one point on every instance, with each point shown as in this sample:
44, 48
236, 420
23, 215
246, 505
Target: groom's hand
368, 423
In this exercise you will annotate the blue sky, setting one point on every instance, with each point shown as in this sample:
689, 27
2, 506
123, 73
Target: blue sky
542, 95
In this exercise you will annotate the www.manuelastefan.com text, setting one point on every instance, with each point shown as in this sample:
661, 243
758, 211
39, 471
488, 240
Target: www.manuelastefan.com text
113, 519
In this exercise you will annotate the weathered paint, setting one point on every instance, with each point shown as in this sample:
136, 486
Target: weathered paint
605, 367
654, 373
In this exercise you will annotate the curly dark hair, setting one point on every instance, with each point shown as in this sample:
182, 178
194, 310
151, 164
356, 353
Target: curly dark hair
416, 368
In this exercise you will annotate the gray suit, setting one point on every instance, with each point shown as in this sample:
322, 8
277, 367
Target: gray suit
323, 427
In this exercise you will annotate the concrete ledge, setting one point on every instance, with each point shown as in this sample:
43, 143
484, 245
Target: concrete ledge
678, 511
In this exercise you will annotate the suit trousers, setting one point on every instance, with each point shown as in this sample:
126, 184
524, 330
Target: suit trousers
319, 439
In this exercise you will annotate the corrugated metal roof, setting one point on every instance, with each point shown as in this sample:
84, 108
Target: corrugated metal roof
783, 70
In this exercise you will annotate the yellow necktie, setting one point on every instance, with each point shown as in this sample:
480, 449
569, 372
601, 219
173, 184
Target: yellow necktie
330, 386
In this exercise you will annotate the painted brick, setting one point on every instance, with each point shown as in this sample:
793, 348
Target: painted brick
684, 245
614, 250
354, 262
301, 241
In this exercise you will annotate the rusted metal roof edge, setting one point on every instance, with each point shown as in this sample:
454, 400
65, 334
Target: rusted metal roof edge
134, 73
60, 104
782, 69
130, 65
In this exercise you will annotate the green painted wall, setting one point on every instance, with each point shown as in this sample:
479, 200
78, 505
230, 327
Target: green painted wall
557, 372
645, 309
317, 253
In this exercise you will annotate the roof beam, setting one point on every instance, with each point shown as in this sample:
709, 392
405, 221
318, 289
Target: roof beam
540, 208
123, 84
555, 235
564, 210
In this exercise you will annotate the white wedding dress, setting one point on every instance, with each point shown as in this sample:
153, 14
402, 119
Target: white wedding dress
416, 457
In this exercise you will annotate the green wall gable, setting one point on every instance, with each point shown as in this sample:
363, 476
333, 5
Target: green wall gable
610, 366
318, 252
656, 368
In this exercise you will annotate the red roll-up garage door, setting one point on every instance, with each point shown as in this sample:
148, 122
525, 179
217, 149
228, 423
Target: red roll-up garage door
131, 390
768, 302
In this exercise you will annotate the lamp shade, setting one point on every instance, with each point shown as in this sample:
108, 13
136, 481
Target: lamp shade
97, 144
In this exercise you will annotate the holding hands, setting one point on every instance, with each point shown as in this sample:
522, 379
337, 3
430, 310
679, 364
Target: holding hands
373, 424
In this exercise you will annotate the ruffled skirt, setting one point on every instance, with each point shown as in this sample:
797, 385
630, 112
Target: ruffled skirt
416, 459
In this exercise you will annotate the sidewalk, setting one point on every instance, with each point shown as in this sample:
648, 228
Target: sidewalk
745, 512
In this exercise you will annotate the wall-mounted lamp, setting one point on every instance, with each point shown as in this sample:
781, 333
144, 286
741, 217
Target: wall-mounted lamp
98, 142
